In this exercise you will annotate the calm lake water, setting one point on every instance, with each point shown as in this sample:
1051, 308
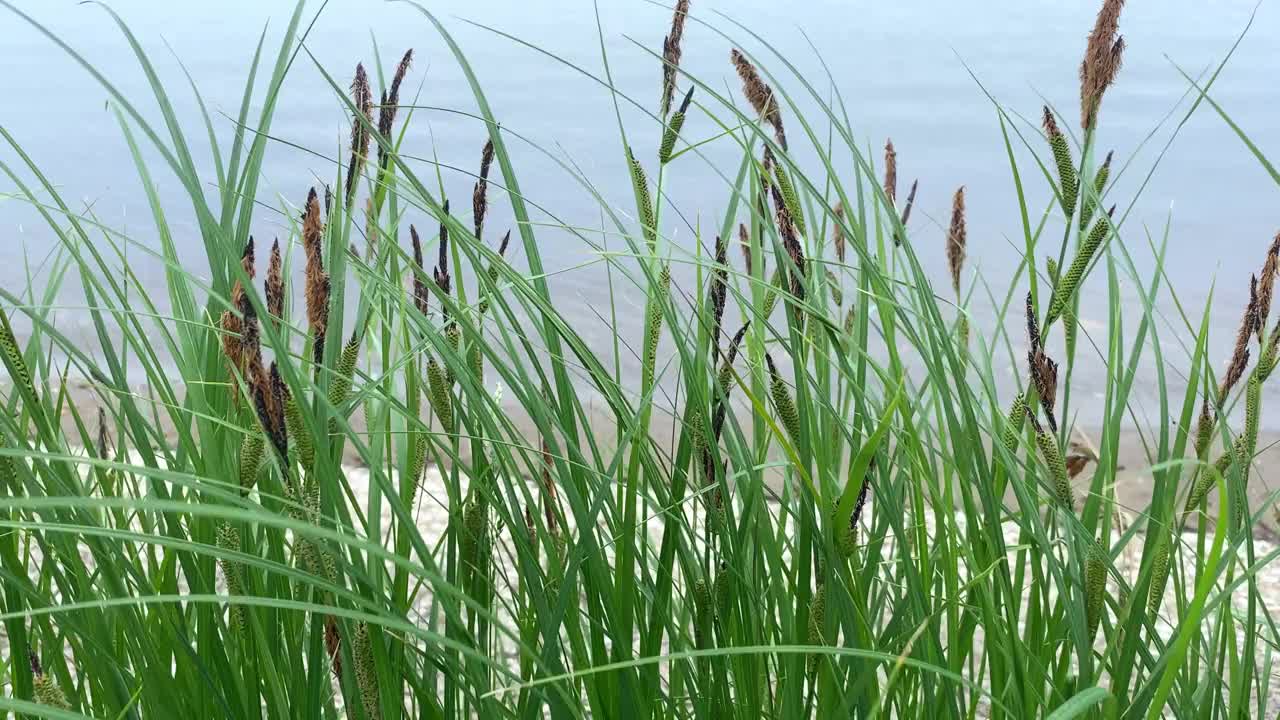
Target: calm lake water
899, 65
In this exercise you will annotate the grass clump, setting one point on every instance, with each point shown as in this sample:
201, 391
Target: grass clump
839, 509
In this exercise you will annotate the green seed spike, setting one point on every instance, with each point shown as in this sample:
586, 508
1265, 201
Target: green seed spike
250, 457
1057, 468
789, 196
672, 131
474, 550
17, 365
723, 591
1159, 576
228, 538
644, 203
48, 693
1095, 587
366, 672
833, 285
1253, 407
771, 295
653, 327
452, 335
1013, 422
340, 388
1068, 181
417, 463
1088, 205
1204, 429
1065, 289
786, 407
817, 621
297, 431
438, 393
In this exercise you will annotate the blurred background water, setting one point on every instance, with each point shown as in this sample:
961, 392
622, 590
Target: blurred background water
903, 69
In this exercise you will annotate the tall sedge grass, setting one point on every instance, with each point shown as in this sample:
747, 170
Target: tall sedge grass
855, 514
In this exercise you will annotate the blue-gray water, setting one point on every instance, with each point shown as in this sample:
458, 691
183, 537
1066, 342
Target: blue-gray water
899, 65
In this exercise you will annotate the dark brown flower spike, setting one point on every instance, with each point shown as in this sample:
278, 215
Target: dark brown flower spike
671, 54
744, 244
1101, 63
1240, 356
719, 289
790, 243
389, 105
479, 201
441, 271
502, 246
316, 280
362, 98
837, 230
890, 173
906, 210
760, 95
420, 295
956, 239
1266, 284
1044, 371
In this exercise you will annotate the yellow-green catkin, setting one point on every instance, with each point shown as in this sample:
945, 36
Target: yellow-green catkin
817, 621
438, 393
301, 439
417, 461
48, 693
847, 538
250, 458
1252, 416
672, 131
1065, 289
228, 538
340, 388
723, 591
644, 203
653, 327
1159, 576
1089, 204
1013, 422
781, 395
13, 355
1057, 468
366, 671
1095, 587
1068, 182
474, 550
789, 196
476, 357
771, 294
702, 608
452, 335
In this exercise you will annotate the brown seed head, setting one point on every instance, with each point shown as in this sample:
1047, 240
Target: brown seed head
316, 280
1101, 63
671, 53
719, 289
759, 94
273, 286
890, 173
333, 646
956, 239
744, 244
1044, 371
837, 230
502, 246
1266, 284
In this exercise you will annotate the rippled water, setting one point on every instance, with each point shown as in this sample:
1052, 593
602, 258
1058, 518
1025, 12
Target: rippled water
900, 66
